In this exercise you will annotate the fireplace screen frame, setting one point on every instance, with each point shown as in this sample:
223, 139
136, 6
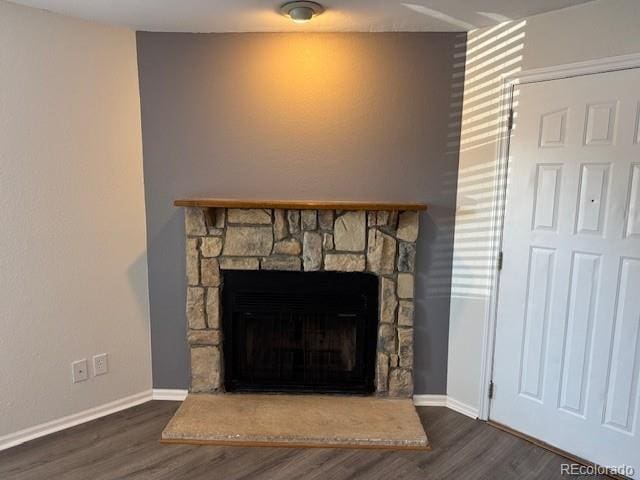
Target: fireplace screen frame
300, 299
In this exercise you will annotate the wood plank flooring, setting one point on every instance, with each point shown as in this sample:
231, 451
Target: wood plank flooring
126, 445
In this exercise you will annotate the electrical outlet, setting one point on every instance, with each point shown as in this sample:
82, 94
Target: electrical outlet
100, 364
80, 370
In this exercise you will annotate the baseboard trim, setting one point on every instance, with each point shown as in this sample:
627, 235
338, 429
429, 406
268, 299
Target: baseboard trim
463, 408
31, 433
430, 400
176, 395
445, 401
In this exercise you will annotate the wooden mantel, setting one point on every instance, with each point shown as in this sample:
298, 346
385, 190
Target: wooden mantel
298, 204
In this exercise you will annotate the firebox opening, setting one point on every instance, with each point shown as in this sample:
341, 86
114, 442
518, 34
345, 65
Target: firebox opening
300, 331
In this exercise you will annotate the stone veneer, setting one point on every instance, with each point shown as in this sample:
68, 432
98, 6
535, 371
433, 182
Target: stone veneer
381, 242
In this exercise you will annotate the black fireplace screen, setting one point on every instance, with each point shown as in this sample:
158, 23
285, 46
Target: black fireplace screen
295, 331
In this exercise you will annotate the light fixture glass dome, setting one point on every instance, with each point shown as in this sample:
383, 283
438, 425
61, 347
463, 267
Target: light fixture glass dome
301, 12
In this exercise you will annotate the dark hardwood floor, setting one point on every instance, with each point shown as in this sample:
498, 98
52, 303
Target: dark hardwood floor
126, 445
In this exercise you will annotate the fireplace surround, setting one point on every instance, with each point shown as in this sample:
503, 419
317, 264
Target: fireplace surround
379, 239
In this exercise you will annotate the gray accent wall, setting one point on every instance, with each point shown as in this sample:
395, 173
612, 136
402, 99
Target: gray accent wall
345, 116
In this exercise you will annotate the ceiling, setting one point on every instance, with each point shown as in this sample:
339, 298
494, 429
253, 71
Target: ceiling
262, 16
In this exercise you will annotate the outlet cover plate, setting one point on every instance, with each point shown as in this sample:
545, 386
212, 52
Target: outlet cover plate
79, 370
100, 364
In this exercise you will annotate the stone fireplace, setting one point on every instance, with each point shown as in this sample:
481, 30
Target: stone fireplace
375, 238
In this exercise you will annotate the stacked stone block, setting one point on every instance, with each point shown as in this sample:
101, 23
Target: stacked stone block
380, 242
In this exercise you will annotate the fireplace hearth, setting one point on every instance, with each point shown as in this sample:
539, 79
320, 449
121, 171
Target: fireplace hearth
311, 332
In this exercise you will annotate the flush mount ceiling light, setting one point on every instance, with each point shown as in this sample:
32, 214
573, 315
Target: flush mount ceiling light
301, 12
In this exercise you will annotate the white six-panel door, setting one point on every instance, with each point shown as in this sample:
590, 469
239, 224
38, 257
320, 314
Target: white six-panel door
567, 347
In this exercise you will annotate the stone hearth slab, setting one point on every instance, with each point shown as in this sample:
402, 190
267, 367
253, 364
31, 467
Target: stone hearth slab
296, 421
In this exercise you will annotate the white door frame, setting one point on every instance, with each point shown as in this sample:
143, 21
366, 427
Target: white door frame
602, 65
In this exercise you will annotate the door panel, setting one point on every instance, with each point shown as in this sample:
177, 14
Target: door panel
633, 206
545, 215
623, 366
567, 351
536, 320
600, 123
578, 335
592, 199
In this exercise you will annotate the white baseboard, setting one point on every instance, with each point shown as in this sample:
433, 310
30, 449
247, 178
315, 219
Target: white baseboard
430, 400
169, 394
21, 436
16, 438
463, 408
445, 401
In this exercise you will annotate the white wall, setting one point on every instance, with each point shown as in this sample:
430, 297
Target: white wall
589, 31
73, 274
